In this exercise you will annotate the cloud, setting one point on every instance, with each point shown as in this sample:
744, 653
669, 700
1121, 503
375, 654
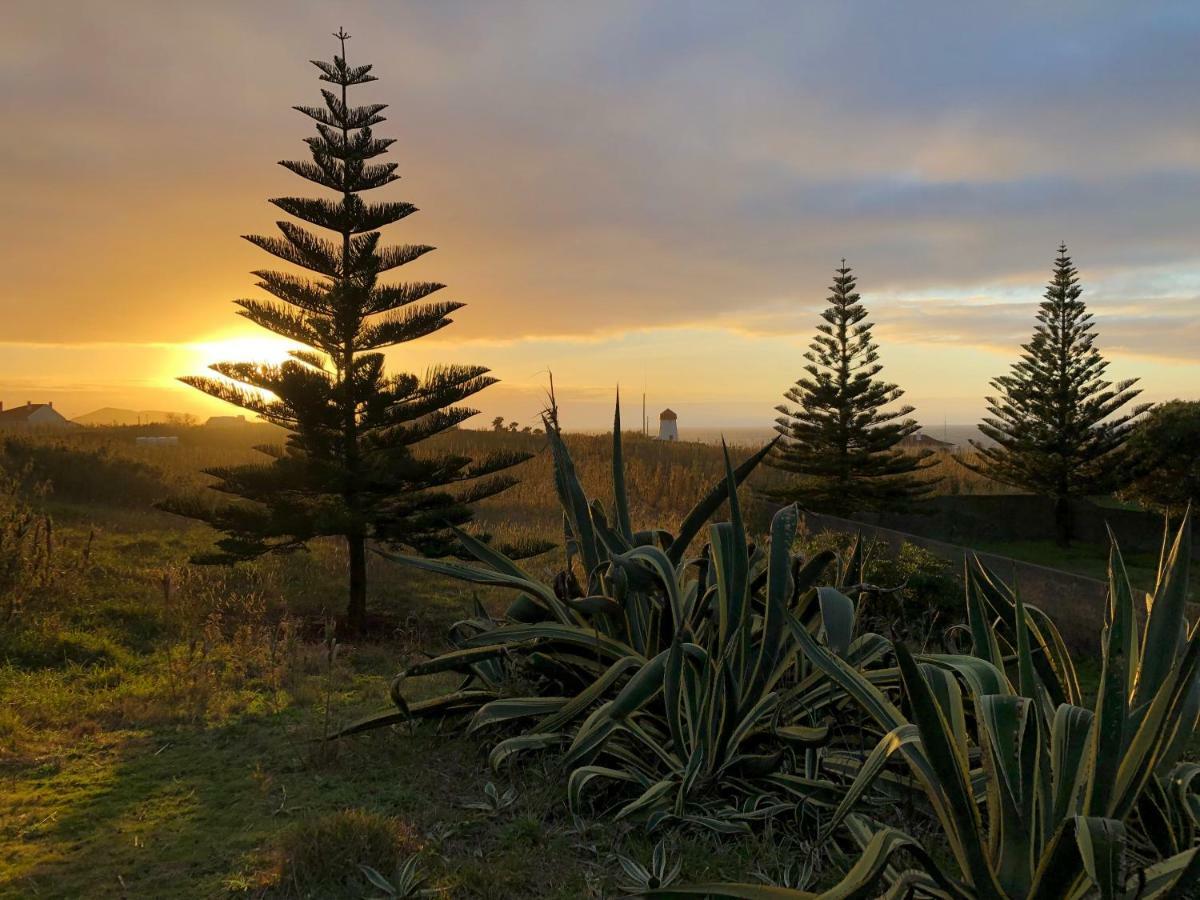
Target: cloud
596, 170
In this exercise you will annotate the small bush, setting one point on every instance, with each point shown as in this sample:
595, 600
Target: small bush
50, 648
922, 598
79, 475
321, 856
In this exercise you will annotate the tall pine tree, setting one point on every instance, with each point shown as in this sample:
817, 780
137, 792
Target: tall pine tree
838, 437
349, 467
1054, 419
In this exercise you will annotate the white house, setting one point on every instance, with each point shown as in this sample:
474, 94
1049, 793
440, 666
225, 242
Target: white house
33, 416
668, 429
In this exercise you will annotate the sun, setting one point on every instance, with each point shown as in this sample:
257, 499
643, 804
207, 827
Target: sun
195, 357
243, 348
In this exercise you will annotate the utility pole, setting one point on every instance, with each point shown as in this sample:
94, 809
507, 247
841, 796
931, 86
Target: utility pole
645, 422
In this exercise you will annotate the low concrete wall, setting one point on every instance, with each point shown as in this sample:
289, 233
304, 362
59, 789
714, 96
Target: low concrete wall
1075, 603
968, 519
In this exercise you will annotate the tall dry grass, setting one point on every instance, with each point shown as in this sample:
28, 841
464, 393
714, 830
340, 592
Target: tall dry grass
664, 479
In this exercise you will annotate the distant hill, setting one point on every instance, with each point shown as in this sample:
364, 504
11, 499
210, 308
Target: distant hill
110, 415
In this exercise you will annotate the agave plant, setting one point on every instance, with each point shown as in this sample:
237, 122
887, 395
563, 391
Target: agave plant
671, 676
1036, 795
725, 726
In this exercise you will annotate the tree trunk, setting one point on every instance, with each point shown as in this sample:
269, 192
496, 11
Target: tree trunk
1062, 521
356, 612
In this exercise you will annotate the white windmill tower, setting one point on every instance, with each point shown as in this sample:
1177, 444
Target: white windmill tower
668, 428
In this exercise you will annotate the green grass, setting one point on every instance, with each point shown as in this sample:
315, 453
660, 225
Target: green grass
1080, 558
147, 752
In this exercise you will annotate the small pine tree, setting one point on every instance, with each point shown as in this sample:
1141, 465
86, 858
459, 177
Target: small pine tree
348, 468
839, 438
1053, 421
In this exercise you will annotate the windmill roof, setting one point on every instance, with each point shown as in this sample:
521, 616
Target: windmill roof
668, 414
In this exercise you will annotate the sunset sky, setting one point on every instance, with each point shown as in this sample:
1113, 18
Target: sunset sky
646, 193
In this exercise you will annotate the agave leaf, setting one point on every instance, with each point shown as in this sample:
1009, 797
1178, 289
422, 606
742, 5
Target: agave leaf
507, 749
595, 605
459, 701
554, 634
581, 777
1055, 657
1071, 763
1102, 847
510, 708
1177, 876
1057, 679
574, 502
377, 880
593, 692
658, 562
761, 710
1116, 684
1159, 820
462, 660
722, 825
704, 510
609, 539
1184, 730
868, 649
983, 637
959, 815
673, 699
948, 695
893, 742
804, 735
654, 796
1166, 617
1027, 679
1164, 710
807, 575
646, 684
488, 554
980, 676
778, 592
374, 721
859, 688
837, 619
729, 563
620, 494
1010, 739
476, 575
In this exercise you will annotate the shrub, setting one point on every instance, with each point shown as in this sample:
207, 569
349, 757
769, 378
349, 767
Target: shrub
86, 476
1164, 452
922, 602
322, 855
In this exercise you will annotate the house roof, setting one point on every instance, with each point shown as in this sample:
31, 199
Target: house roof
668, 414
21, 413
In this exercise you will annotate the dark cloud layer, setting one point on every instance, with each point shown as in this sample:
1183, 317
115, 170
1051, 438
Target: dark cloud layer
591, 167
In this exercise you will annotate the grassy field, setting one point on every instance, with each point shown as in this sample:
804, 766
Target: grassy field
162, 725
